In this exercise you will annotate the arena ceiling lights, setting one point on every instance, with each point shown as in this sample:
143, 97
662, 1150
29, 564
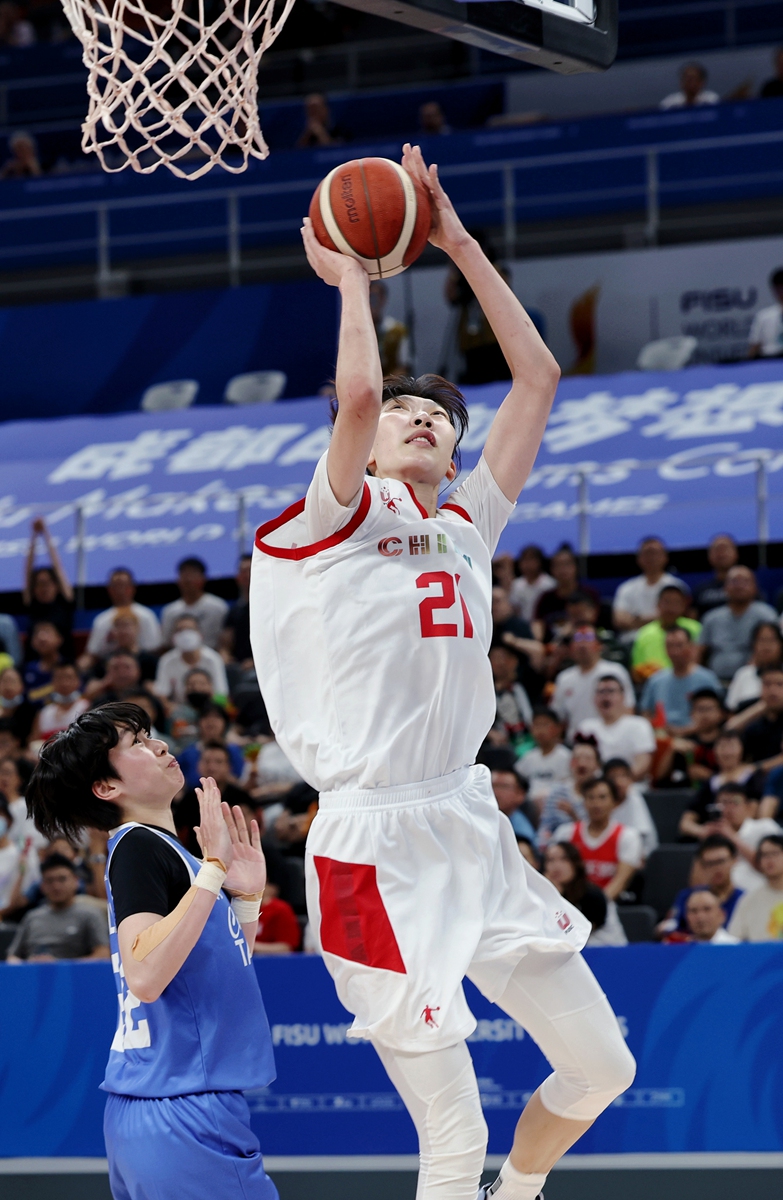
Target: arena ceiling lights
567, 36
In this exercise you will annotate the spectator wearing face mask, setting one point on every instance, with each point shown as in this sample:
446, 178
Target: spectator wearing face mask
189, 651
183, 717
66, 703
209, 611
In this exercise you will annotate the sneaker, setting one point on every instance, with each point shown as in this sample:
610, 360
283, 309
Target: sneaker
485, 1193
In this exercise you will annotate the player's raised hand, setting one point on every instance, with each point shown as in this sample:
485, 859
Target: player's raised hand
448, 232
329, 265
212, 834
247, 876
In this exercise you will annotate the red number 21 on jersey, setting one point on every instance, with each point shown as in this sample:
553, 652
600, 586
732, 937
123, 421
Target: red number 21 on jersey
446, 599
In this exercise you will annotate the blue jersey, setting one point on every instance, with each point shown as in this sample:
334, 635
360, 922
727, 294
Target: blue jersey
208, 1031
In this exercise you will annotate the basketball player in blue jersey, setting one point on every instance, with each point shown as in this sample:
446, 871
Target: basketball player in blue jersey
192, 1033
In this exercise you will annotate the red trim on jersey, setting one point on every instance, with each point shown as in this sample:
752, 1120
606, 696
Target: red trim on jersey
354, 921
420, 507
458, 509
301, 552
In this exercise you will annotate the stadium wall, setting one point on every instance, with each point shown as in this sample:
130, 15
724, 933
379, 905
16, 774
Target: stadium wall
704, 1115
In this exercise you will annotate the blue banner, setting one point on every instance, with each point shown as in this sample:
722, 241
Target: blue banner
702, 1021
676, 454
101, 356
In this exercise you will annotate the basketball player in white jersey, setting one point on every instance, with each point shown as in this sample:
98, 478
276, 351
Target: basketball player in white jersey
370, 620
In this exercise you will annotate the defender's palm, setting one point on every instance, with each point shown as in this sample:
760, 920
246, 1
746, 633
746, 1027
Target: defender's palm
247, 874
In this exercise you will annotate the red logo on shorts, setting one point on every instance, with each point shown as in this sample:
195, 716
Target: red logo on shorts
429, 1018
564, 921
390, 547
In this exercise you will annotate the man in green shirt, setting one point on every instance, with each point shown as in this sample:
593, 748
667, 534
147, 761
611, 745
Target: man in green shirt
649, 648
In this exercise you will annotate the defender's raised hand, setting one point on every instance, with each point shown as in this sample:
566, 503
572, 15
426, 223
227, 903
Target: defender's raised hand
448, 232
212, 834
247, 875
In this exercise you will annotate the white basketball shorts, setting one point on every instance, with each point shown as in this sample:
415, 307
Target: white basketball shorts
410, 889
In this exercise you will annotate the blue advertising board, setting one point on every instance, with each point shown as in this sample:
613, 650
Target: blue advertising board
674, 454
702, 1021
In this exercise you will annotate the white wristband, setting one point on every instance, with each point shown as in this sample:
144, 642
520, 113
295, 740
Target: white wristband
245, 911
211, 877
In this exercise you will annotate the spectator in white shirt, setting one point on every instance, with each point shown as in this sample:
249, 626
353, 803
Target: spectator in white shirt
210, 611
549, 761
66, 703
738, 823
122, 590
766, 333
766, 651
636, 600
704, 918
574, 695
693, 90
618, 734
632, 807
189, 652
532, 582
758, 916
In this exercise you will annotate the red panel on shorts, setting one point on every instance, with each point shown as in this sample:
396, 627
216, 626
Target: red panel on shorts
354, 922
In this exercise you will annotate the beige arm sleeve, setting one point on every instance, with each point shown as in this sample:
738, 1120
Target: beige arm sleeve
151, 937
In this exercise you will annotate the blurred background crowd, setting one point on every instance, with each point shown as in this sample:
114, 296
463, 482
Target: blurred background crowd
637, 747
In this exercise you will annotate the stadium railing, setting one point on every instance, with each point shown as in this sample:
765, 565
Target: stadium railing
642, 162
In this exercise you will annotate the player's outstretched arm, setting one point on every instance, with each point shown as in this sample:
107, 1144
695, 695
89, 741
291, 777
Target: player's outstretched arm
359, 378
152, 947
518, 428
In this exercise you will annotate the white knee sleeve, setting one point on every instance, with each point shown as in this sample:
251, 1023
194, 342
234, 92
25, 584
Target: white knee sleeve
593, 1065
560, 1004
440, 1092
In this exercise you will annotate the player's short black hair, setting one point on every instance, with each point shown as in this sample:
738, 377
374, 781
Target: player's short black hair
426, 387
59, 797
776, 278
54, 862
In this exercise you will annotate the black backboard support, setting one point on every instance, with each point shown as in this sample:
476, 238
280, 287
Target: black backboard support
512, 28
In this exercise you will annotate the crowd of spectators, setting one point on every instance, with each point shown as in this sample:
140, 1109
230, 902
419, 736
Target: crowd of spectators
601, 701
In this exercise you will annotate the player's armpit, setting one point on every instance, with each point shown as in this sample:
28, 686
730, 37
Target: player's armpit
151, 937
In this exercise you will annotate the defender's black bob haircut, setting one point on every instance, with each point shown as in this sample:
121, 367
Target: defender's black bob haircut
59, 797
426, 387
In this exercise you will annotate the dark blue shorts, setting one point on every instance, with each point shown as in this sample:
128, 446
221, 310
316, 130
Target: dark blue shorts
198, 1147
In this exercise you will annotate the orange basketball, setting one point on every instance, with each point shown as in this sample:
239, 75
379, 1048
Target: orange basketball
373, 210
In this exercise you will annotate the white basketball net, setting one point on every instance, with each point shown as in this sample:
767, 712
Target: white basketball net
176, 86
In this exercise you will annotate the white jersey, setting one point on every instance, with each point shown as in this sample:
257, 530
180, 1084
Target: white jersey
371, 626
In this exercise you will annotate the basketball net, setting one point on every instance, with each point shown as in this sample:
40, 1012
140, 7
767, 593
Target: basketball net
174, 82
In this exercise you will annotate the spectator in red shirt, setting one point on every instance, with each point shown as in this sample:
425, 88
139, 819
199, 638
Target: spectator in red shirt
278, 928
612, 852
